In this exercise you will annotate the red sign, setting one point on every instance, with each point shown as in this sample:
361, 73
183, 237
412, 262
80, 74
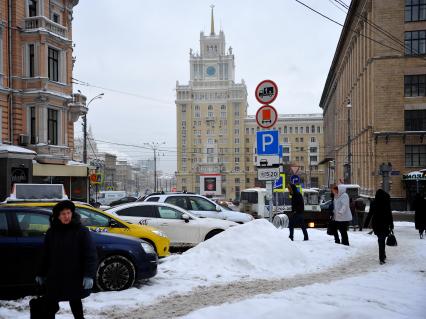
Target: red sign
266, 116
266, 92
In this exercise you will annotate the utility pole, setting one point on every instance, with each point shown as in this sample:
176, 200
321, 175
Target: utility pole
99, 96
154, 146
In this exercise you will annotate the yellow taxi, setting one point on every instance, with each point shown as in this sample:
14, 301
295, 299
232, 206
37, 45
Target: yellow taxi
100, 221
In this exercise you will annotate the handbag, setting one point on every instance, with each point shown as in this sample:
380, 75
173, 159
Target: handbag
391, 240
331, 228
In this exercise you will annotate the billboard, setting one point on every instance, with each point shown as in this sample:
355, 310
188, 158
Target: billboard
211, 184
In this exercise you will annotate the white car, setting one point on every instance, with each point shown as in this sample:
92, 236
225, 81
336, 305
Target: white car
200, 206
183, 228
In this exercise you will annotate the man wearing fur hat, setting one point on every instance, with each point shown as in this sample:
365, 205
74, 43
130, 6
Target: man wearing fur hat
68, 263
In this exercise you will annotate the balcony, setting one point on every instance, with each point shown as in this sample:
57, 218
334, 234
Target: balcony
77, 106
34, 23
51, 154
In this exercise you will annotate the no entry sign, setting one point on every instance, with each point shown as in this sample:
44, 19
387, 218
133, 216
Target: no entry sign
266, 116
266, 92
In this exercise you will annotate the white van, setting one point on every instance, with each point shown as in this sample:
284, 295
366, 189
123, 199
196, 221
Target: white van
254, 201
107, 197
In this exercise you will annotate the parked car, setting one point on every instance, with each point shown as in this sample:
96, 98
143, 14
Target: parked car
107, 197
183, 228
124, 200
200, 206
122, 260
100, 221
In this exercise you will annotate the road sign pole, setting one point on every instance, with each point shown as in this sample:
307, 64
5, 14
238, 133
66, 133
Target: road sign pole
269, 188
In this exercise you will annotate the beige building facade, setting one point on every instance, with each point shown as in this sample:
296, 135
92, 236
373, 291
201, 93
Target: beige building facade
382, 77
37, 106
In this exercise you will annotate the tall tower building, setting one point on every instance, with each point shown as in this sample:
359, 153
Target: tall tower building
210, 121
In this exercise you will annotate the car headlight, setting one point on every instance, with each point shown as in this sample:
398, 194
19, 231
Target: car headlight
148, 248
159, 233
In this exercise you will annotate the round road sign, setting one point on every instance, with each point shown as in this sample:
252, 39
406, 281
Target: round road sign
266, 92
266, 116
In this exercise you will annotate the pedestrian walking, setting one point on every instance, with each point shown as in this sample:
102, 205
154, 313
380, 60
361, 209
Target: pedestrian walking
298, 209
381, 220
68, 263
342, 214
419, 206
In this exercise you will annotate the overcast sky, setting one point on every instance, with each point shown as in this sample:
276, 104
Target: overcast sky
142, 48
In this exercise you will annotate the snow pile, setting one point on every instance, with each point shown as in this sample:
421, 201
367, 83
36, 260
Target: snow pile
250, 250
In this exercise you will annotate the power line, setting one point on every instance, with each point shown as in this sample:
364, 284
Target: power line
82, 83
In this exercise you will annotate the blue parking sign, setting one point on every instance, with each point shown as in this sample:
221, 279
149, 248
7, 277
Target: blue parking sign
267, 142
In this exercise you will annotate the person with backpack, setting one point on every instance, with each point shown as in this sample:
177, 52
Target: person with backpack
68, 262
342, 214
381, 220
298, 209
419, 206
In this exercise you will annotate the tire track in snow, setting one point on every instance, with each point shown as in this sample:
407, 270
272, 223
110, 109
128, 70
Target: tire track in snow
178, 305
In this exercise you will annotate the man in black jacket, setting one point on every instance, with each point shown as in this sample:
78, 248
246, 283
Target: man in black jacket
68, 263
297, 208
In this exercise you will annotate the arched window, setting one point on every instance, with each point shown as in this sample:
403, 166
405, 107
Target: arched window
285, 129
313, 129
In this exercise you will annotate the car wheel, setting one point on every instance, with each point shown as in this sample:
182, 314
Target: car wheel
115, 273
213, 233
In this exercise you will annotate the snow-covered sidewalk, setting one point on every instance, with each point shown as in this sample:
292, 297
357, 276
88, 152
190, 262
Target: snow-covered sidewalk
240, 263
395, 290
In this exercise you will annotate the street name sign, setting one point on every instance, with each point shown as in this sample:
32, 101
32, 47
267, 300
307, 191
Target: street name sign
266, 116
268, 173
266, 92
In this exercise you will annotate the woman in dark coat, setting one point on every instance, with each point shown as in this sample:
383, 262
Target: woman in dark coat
381, 220
419, 206
68, 263
298, 208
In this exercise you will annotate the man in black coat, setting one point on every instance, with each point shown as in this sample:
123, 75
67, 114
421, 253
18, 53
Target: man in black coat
297, 208
68, 263
381, 220
419, 206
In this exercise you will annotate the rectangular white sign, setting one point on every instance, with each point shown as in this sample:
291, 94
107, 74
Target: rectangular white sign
268, 173
267, 160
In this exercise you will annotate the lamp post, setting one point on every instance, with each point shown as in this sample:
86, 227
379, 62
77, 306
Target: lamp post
99, 96
155, 146
348, 176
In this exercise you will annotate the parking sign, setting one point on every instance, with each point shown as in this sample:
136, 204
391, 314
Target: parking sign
267, 142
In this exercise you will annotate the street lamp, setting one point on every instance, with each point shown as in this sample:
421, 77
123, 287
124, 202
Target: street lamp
349, 164
155, 146
99, 96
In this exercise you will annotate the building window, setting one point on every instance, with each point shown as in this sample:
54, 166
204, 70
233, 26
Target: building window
313, 139
31, 60
237, 159
301, 130
415, 85
286, 149
313, 149
415, 42
415, 10
286, 159
313, 129
237, 141
297, 140
237, 180
301, 140
415, 120
291, 130
313, 159
297, 158
318, 129
52, 126
196, 107
247, 130
53, 65
307, 129
32, 8
285, 140
183, 108
415, 155
252, 130
237, 151
223, 107
210, 107
247, 180
55, 17
210, 150
302, 158
296, 130
285, 129
33, 125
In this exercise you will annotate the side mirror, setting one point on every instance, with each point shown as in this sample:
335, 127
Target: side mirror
218, 209
185, 217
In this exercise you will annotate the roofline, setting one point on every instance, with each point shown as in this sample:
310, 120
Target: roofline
343, 36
